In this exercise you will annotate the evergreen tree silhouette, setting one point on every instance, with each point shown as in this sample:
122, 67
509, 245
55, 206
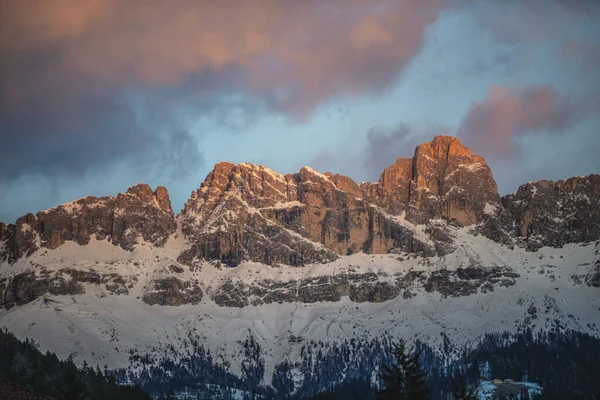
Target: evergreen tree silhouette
404, 379
170, 395
461, 391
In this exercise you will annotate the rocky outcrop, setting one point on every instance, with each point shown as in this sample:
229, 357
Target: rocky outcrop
450, 182
470, 280
24, 238
249, 212
25, 287
5, 233
358, 287
392, 191
363, 287
140, 212
547, 213
172, 291
21, 289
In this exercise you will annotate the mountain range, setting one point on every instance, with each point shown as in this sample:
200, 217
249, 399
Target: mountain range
271, 279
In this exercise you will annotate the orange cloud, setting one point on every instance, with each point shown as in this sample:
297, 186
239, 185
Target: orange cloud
493, 124
297, 53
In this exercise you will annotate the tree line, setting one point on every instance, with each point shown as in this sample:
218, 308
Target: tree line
565, 364
22, 364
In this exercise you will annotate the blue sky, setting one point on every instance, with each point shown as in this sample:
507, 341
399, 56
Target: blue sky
97, 96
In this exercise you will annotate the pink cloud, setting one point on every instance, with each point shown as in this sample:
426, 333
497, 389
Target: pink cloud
297, 53
492, 125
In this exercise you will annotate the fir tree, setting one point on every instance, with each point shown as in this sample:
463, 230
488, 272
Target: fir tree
170, 395
461, 391
404, 379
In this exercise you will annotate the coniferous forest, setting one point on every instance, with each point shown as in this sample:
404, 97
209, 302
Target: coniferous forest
21, 363
565, 364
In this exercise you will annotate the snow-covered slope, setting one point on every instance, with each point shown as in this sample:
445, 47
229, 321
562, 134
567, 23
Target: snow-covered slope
482, 287
290, 279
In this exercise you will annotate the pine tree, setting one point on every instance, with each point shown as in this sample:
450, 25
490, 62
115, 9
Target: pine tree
461, 391
170, 395
71, 384
404, 379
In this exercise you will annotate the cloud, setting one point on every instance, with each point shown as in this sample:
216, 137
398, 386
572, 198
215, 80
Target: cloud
86, 83
493, 125
295, 54
365, 155
384, 147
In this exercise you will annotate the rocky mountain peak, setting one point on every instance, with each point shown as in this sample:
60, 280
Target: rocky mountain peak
450, 182
158, 198
547, 213
122, 219
142, 191
443, 180
446, 146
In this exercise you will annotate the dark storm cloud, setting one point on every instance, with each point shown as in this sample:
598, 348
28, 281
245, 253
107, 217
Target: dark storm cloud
55, 120
385, 146
70, 70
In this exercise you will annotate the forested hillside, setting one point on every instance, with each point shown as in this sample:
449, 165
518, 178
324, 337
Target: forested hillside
21, 363
565, 364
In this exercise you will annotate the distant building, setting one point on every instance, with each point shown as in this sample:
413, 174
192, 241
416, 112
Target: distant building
9, 391
497, 381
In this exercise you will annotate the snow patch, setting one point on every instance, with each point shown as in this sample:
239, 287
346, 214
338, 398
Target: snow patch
284, 205
490, 209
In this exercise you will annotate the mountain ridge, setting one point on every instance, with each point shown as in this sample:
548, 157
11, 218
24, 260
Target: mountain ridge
250, 212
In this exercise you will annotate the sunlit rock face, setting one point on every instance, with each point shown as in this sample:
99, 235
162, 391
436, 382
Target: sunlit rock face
140, 213
249, 212
239, 210
450, 182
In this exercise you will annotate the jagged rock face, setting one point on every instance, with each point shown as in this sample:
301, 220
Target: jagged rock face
4, 234
235, 231
24, 237
450, 182
247, 212
363, 287
394, 185
172, 291
139, 212
547, 213
27, 286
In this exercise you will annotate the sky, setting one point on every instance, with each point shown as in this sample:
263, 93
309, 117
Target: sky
98, 95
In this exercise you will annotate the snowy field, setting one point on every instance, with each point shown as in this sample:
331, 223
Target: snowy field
103, 328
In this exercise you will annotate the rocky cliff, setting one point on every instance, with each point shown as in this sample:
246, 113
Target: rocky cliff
249, 212
547, 213
122, 219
